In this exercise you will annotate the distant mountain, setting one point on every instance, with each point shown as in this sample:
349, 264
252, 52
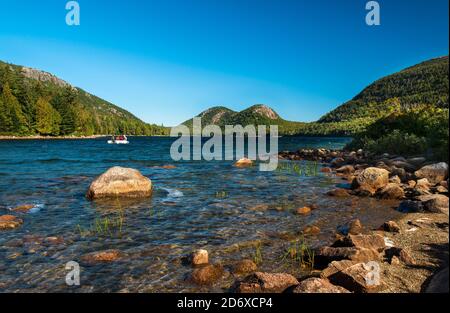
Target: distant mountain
255, 115
424, 83
36, 102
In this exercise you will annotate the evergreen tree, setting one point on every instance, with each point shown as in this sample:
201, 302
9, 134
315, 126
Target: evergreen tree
66, 104
47, 118
13, 121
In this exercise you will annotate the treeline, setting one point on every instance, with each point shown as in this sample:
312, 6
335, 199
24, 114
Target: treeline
33, 107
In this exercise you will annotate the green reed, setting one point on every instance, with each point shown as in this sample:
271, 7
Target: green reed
105, 226
300, 253
301, 169
257, 256
221, 194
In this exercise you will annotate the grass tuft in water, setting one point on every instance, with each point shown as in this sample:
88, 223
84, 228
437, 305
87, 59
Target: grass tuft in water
300, 253
257, 256
308, 169
106, 226
221, 194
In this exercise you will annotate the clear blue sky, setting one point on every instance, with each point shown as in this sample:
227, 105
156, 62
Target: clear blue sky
168, 60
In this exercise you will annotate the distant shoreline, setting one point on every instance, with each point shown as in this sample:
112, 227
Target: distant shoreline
50, 137
37, 137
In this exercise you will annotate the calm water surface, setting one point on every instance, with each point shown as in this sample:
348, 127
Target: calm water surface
198, 204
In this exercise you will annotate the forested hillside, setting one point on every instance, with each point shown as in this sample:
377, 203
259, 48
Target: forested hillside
33, 102
407, 113
255, 115
425, 83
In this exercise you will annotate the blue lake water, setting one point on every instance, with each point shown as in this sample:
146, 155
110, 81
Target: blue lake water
197, 204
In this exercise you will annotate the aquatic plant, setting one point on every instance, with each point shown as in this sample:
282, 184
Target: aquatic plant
300, 253
302, 169
257, 257
106, 226
221, 194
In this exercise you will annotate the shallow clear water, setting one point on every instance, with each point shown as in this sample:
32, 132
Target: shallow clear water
198, 204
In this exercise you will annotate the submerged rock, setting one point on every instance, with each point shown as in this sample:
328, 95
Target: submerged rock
8, 222
340, 193
353, 227
105, 256
244, 162
53, 240
303, 210
318, 285
207, 274
199, 257
326, 170
25, 208
311, 230
346, 169
259, 208
266, 282
244, 267
122, 182
168, 167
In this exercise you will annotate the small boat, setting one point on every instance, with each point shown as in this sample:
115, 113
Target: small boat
119, 140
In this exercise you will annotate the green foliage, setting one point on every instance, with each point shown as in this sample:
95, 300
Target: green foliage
419, 85
11, 115
47, 118
106, 227
300, 253
30, 106
257, 255
426, 82
397, 142
308, 169
422, 130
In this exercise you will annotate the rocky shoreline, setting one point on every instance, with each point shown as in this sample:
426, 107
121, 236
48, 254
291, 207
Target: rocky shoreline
413, 251
409, 254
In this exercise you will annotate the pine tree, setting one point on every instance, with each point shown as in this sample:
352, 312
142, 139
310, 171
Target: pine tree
5, 120
47, 118
13, 121
66, 103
